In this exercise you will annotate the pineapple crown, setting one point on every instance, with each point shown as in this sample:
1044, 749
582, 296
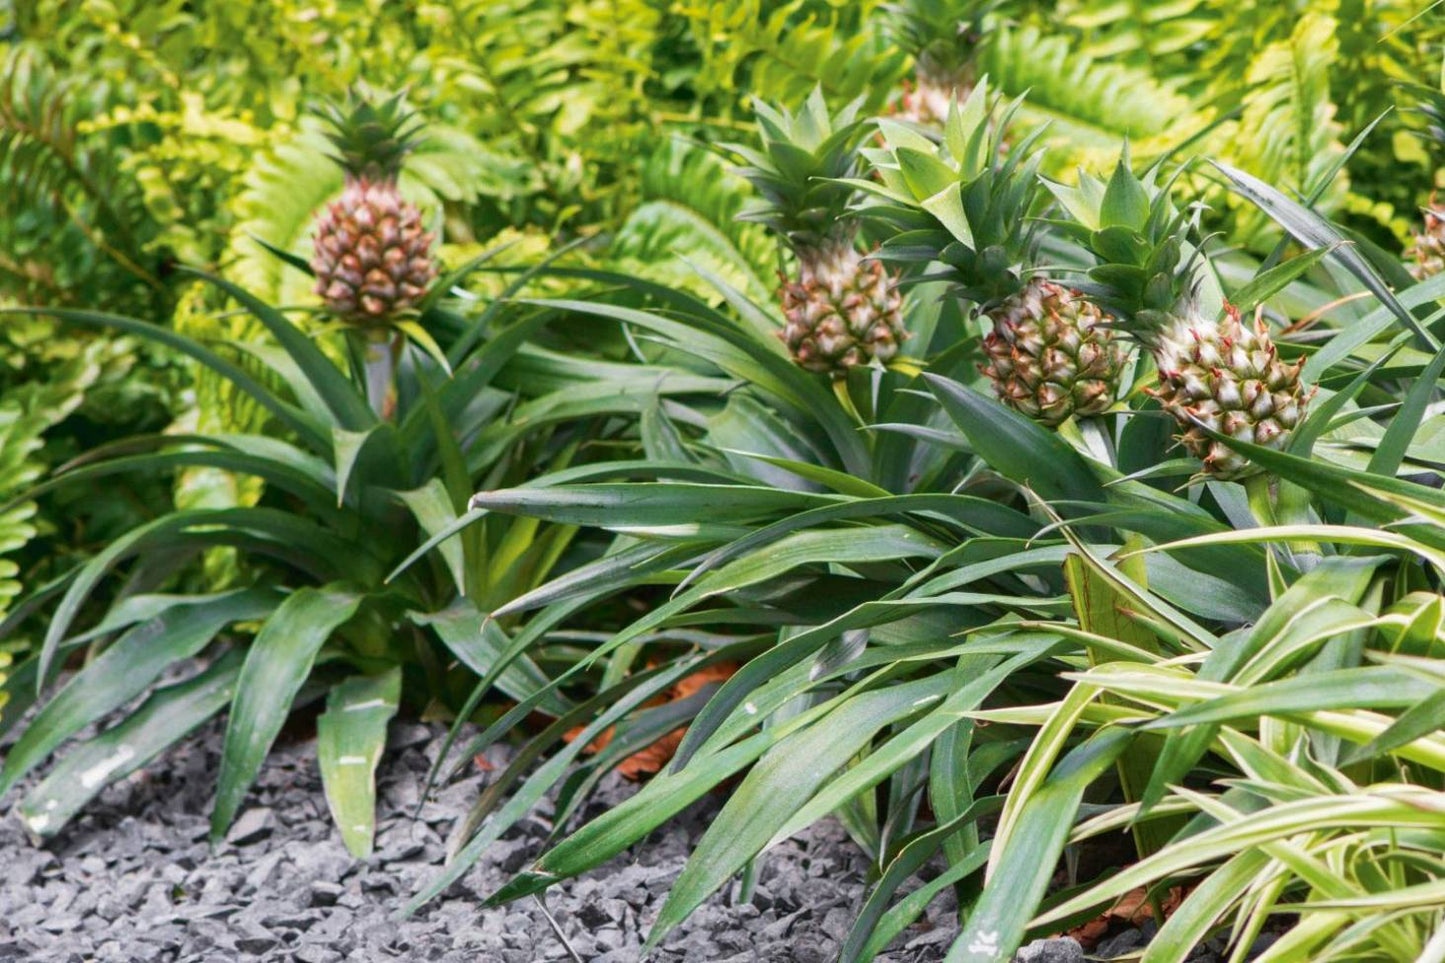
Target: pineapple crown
804, 171
964, 203
1148, 272
371, 136
944, 36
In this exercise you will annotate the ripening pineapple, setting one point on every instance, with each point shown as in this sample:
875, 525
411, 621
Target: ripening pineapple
1426, 256
944, 37
1050, 353
372, 256
1214, 370
841, 309
1227, 375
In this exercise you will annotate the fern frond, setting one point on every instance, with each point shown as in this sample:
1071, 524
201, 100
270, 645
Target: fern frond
780, 52
1090, 106
688, 217
28, 411
1157, 37
66, 190
1287, 134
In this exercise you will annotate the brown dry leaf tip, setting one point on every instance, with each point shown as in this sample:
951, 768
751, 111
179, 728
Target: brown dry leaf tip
650, 759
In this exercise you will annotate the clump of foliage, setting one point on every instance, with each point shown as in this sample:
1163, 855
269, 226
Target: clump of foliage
962, 564
1035, 508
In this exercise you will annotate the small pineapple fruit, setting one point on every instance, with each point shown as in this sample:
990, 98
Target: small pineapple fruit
1215, 371
944, 37
1050, 353
1227, 376
841, 309
372, 256
1426, 256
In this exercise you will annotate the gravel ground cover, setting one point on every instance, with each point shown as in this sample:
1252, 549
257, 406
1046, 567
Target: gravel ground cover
133, 880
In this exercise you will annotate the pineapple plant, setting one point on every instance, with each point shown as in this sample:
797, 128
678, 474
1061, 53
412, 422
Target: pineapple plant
944, 38
1215, 370
1425, 256
841, 309
1050, 353
371, 254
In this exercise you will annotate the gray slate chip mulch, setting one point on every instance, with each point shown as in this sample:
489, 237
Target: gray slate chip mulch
133, 880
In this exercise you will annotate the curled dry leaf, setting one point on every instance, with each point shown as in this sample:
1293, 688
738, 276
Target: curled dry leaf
1131, 909
652, 758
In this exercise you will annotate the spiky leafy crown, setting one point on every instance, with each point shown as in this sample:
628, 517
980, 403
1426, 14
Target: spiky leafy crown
372, 137
803, 171
944, 36
1148, 273
963, 203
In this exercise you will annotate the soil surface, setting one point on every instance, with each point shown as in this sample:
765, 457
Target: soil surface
133, 879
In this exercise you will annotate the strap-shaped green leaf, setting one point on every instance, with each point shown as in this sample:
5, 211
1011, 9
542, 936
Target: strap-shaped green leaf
654, 503
785, 778
342, 398
350, 737
1315, 231
1020, 874
277, 664
479, 643
168, 716
232, 372
1016, 446
125, 669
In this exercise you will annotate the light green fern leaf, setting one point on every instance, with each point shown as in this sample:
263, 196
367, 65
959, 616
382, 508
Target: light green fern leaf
1090, 106
688, 219
1287, 134
1139, 32
781, 51
26, 414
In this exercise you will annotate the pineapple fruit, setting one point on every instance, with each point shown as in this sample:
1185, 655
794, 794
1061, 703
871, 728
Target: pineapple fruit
1426, 256
944, 37
1050, 354
841, 311
371, 255
840, 308
1214, 371
1227, 376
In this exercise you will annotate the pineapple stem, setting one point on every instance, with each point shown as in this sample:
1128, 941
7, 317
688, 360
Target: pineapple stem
381, 351
845, 398
1261, 506
1285, 511
1292, 507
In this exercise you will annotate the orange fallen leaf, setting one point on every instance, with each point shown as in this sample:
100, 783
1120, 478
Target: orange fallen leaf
1089, 935
650, 759
1132, 909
